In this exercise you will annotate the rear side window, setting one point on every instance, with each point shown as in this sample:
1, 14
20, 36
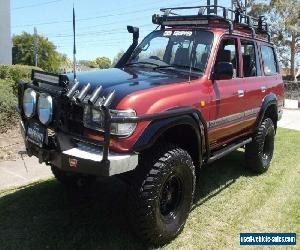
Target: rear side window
269, 60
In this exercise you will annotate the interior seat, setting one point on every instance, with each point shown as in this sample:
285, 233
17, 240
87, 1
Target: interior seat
249, 66
182, 57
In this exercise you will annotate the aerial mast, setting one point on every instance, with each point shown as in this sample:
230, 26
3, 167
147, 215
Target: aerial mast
74, 44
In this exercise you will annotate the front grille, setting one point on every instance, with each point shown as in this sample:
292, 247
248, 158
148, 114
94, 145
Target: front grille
71, 118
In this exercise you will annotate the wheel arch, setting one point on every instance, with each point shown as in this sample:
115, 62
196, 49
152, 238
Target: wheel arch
185, 131
269, 109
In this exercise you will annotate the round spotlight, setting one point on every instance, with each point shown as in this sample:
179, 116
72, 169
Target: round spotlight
45, 108
29, 102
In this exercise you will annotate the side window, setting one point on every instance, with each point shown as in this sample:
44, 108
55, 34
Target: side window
250, 62
228, 53
269, 60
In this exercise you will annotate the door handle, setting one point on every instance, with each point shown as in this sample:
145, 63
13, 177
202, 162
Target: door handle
263, 89
241, 93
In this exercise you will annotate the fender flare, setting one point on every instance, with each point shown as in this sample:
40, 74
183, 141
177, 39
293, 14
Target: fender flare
158, 127
269, 100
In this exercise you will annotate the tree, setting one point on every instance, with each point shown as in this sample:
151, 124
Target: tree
48, 58
118, 57
103, 62
285, 28
88, 63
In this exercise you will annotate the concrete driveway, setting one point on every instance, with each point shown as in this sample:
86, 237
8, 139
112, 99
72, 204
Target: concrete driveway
290, 119
19, 172
16, 173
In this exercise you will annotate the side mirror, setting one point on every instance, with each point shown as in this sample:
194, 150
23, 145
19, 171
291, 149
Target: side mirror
223, 71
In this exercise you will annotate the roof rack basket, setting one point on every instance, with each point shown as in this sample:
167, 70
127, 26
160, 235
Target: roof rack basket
212, 15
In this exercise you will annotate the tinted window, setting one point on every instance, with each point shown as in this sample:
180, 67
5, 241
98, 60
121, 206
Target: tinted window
228, 53
269, 60
250, 62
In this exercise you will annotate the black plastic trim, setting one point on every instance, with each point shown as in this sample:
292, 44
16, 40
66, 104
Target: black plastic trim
269, 100
163, 121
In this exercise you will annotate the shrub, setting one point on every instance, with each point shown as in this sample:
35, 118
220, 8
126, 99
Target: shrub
16, 73
8, 102
10, 75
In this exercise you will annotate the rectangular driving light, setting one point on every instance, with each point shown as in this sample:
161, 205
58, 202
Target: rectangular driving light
41, 76
49, 78
185, 22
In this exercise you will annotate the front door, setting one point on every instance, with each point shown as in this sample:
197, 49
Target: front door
228, 102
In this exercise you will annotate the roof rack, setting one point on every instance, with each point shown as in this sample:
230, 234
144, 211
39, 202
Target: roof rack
212, 15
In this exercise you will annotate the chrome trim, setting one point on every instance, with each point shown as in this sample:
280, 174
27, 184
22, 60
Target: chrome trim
241, 93
119, 163
233, 117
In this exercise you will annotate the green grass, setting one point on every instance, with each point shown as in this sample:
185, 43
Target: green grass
230, 200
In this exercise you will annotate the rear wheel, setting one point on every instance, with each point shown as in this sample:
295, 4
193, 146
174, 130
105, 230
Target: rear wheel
162, 193
259, 152
72, 180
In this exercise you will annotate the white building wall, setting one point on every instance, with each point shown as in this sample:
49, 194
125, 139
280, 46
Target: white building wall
5, 33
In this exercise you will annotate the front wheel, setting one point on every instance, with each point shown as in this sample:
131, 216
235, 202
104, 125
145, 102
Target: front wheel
259, 152
162, 193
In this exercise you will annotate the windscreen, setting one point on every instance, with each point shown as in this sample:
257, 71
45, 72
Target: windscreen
182, 49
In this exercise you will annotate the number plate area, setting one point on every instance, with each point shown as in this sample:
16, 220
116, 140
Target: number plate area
36, 134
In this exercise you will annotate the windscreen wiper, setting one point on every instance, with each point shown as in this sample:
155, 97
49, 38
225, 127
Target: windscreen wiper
177, 66
137, 63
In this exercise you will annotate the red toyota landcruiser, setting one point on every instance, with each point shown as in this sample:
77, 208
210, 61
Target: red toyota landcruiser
197, 88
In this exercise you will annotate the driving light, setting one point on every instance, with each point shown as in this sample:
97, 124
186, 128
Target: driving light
94, 119
29, 102
45, 108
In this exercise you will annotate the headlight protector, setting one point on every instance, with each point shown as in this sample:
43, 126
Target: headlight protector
29, 102
45, 108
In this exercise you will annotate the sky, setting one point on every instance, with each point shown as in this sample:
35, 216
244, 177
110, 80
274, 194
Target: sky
100, 25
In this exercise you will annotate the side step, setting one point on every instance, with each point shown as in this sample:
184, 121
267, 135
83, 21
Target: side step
227, 150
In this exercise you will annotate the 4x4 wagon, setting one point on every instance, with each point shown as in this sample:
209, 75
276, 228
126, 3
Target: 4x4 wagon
197, 88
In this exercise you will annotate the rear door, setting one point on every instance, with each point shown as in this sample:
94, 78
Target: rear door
253, 82
272, 79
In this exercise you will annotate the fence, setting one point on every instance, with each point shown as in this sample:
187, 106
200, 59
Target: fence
292, 90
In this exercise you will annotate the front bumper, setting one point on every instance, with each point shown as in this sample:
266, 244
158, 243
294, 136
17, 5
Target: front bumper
81, 157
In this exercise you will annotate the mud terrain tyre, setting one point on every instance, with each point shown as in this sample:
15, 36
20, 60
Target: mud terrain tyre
72, 180
259, 152
161, 193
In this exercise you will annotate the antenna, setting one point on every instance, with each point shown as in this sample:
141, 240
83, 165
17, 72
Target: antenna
74, 44
35, 47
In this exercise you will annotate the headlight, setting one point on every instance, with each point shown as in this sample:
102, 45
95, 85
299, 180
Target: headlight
29, 102
94, 119
45, 108
123, 129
